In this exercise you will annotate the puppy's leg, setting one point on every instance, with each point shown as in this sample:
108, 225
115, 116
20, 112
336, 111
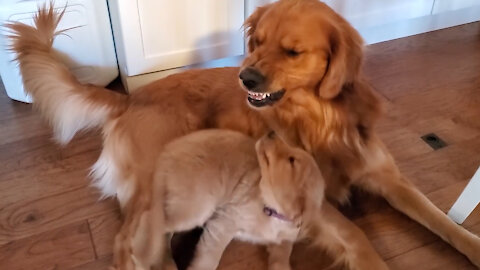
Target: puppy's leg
405, 197
344, 240
149, 242
122, 259
140, 243
167, 261
217, 234
279, 256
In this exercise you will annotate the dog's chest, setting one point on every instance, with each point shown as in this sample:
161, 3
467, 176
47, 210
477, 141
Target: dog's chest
337, 182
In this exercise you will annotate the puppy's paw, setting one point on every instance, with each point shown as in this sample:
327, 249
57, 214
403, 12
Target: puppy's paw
279, 266
170, 265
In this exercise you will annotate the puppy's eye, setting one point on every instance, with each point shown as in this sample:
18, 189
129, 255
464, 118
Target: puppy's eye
292, 160
292, 53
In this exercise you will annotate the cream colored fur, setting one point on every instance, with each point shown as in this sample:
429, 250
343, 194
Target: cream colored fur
212, 178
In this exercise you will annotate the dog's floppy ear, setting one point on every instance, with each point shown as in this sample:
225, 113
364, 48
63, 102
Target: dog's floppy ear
250, 25
344, 60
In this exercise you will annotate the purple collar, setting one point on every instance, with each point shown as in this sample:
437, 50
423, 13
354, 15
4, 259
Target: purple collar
273, 213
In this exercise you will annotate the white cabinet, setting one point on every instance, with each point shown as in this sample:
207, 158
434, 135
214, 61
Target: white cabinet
87, 47
153, 35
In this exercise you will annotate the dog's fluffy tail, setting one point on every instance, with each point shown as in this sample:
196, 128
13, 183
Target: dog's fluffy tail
67, 104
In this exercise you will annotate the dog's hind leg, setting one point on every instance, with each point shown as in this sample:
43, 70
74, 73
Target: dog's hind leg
387, 181
347, 244
149, 241
279, 256
141, 242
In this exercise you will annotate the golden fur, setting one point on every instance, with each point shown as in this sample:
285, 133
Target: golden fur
300, 46
231, 188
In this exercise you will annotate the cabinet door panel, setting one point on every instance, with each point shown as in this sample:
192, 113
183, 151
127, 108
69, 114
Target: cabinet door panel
164, 34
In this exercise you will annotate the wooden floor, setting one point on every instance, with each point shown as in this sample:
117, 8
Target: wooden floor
51, 219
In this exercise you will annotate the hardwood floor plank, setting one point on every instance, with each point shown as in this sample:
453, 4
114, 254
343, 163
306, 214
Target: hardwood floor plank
11, 110
443, 167
30, 188
437, 255
444, 124
443, 101
42, 150
104, 229
29, 217
392, 233
20, 128
407, 66
402, 142
100, 264
46, 178
60, 248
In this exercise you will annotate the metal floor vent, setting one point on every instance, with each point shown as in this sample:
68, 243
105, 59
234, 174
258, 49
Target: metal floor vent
434, 141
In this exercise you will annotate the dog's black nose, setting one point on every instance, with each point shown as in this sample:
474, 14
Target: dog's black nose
251, 78
271, 134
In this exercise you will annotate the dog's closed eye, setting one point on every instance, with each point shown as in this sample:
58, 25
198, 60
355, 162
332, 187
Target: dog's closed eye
257, 41
292, 52
291, 159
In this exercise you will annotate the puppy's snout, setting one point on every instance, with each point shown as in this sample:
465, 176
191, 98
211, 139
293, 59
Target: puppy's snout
251, 78
271, 135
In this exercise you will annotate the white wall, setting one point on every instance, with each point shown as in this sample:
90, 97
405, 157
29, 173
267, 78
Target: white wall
382, 20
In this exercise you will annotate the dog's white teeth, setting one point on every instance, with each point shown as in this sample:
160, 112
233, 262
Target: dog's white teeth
258, 96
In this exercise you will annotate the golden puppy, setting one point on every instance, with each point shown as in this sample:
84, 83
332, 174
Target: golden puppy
219, 179
303, 80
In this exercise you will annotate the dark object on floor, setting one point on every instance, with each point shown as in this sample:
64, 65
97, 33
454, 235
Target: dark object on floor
434, 141
183, 247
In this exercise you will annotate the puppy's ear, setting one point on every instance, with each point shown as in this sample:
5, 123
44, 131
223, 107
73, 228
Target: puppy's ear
314, 187
345, 58
250, 25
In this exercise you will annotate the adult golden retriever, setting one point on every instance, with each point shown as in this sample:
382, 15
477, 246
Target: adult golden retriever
303, 79
266, 192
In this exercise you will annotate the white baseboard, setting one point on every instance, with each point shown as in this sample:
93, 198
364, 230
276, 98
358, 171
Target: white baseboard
131, 83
